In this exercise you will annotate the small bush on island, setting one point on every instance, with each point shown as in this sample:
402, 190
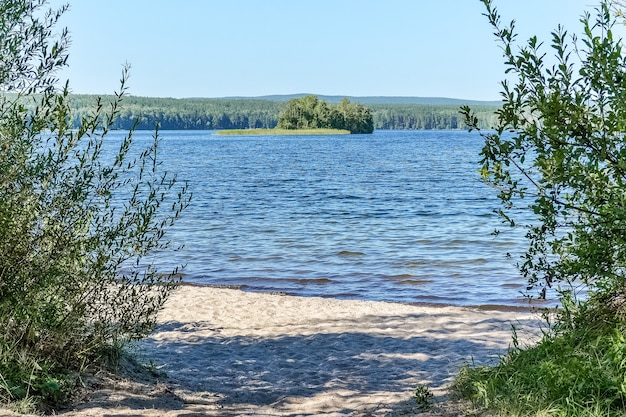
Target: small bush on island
559, 143
75, 226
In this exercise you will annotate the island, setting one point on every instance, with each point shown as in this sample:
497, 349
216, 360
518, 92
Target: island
309, 115
278, 131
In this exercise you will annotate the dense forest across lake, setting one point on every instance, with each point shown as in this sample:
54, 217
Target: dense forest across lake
390, 113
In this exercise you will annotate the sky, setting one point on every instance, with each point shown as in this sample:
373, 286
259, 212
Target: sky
226, 48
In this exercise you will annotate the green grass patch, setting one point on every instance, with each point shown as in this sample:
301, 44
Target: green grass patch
281, 132
574, 371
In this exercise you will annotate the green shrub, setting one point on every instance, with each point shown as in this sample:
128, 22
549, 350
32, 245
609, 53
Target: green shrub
75, 227
559, 142
423, 397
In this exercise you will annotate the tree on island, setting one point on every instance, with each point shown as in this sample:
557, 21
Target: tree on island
311, 113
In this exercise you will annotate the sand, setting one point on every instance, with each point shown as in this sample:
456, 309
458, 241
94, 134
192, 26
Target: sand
225, 352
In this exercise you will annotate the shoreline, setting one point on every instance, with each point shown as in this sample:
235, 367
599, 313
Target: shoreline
227, 352
280, 132
483, 307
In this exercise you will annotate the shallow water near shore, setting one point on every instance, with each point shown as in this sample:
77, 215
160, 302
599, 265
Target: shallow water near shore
395, 216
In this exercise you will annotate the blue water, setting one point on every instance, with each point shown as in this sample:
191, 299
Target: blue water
396, 216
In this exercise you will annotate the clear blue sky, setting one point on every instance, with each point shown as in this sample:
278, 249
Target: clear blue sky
211, 48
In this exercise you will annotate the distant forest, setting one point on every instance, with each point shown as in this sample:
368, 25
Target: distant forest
248, 113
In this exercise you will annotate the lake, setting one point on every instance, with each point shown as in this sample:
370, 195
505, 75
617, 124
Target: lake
396, 216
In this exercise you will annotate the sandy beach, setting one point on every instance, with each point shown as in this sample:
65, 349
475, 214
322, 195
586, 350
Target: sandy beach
225, 352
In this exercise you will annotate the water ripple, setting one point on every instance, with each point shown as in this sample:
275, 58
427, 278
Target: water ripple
397, 215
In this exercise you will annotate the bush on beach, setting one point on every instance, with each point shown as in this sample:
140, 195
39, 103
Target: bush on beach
75, 227
559, 142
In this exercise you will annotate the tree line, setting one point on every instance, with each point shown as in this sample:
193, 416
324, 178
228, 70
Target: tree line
245, 113
427, 117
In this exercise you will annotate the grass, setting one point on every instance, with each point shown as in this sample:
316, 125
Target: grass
292, 132
574, 370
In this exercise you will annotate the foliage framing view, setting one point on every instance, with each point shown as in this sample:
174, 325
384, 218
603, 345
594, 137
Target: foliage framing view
75, 227
566, 152
560, 142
